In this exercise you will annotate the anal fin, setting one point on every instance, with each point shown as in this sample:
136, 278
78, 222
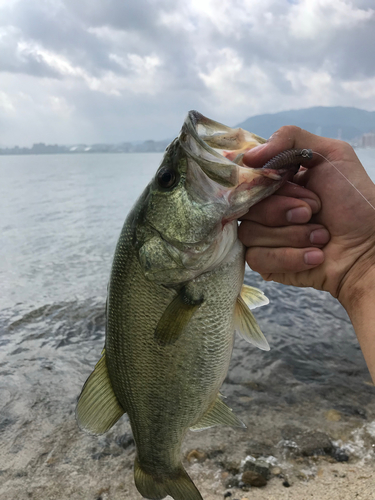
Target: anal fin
219, 414
98, 408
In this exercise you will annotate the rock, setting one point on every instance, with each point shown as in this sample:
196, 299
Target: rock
286, 484
227, 494
214, 453
5, 422
257, 449
245, 399
196, 456
232, 482
100, 455
333, 416
229, 465
276, 471
255, 386
314, 443
339, 455
232, 467
102, 494
125, 440
20, 473
308, 443
289, 432
302, 476
260, 467
254, 478
354, 411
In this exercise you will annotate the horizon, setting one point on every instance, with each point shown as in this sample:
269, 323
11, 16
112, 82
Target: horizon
131, 70
142, 141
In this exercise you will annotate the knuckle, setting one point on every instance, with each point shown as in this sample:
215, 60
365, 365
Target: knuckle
288, 260
302, 235
289, 130
347, 147
283, 257
342, 149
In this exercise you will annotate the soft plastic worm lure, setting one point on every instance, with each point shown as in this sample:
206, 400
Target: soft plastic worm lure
295, 156
289, 157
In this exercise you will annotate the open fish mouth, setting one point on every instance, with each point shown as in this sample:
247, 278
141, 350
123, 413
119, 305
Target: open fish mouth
219, 151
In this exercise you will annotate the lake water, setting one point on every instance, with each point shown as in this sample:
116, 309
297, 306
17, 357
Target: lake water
60, 219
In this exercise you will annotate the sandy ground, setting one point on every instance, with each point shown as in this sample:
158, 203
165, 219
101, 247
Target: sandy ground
50, 460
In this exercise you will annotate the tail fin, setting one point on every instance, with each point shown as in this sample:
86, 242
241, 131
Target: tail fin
179, 485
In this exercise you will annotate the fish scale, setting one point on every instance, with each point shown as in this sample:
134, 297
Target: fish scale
175, 297
150, 382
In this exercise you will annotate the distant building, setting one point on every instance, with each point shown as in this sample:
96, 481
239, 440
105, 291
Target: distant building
368, 140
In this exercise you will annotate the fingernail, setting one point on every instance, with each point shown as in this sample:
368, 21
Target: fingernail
298, 215
313, 258
319, 236
313, 204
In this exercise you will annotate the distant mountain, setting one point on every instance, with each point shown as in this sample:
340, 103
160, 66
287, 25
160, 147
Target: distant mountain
335, 122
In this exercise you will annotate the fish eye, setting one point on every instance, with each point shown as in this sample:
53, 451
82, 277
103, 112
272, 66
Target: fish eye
166, 177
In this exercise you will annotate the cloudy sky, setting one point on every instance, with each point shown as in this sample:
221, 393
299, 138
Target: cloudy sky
117, 70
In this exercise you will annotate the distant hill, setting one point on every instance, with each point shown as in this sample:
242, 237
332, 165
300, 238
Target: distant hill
335, 122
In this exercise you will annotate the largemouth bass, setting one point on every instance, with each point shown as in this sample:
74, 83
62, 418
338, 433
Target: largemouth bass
175, 298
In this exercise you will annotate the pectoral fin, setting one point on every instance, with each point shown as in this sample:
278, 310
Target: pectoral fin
247, 327
175, 318
219, 414
253, 297
98, 408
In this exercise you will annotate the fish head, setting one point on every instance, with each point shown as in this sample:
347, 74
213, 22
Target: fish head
201, 188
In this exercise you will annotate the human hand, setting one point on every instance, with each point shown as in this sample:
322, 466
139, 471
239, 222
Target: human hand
281, 249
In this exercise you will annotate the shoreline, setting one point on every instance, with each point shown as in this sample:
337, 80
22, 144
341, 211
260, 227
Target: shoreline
50, 458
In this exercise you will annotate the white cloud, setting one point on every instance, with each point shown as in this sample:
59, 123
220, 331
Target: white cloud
6, 104
235, 86
99, 65
363, 89
60, 106
320, 18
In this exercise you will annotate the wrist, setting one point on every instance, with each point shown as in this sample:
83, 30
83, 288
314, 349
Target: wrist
358, 298
358, 291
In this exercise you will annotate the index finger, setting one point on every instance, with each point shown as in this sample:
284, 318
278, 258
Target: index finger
290, 137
